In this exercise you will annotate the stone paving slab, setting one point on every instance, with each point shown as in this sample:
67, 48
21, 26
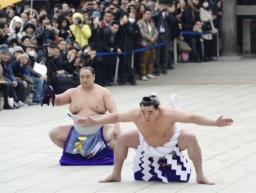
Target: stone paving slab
29, 161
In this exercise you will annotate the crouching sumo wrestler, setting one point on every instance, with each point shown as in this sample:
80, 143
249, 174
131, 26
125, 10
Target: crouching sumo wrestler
159, 142
85, 145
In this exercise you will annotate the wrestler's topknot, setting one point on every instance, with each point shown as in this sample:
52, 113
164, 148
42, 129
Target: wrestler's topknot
150, 101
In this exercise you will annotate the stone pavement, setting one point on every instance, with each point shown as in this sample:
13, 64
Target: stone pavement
29, 161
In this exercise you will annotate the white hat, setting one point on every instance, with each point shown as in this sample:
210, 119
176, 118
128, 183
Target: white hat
16, 49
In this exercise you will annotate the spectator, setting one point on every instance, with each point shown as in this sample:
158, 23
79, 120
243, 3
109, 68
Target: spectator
80, 31
58, 28
4, 31
25, 41
16, 27
65, 9
32, 78
64, 31
140, 11
55, 27
162, 53
149, 35
32, 53
107, 19
17, 86
63, 46
191, 22
45, 32
4, 89
29, 30
110, 44
129, 34
10, 12
96, 44
208, 26
173, 30
59, 71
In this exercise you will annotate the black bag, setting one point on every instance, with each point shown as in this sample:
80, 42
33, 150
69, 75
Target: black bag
207, 26
64, 82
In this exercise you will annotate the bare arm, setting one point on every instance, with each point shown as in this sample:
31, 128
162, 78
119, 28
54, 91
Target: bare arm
108, 119
183, 117
64, 98
109, 102
112, 108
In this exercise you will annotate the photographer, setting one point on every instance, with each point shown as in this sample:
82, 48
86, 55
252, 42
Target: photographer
90, 6
129, 34
79, 30
45, 32
96, 44
88, 56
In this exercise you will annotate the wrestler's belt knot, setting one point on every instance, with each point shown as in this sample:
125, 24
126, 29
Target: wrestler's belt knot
79, 145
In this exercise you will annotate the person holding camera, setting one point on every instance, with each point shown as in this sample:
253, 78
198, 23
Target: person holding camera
79, 30
45, 32
129, 34
95, 43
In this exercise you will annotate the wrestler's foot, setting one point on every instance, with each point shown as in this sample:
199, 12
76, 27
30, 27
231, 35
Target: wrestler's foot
111, 178
203, 180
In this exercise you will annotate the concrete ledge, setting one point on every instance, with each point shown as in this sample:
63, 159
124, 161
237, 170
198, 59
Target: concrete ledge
246, 10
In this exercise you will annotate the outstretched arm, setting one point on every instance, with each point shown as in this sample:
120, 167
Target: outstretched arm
184, 117
108, 119
64, 98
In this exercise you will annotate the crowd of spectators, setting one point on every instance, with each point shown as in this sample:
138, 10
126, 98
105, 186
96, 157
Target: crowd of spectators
49, 43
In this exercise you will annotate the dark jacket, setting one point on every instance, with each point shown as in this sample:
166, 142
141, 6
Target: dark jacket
128, 36
8, 72
109, 40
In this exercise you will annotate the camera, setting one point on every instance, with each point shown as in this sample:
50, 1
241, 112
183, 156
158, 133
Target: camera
78, 20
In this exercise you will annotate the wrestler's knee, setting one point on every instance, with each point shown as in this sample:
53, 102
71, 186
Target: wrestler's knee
191, 140
59, 133
128, 139
187, 140
53, 133
122, 138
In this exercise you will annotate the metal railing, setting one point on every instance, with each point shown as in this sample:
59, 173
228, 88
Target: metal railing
175, 50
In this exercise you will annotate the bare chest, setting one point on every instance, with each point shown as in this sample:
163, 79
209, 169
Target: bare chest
156, 134
87, 104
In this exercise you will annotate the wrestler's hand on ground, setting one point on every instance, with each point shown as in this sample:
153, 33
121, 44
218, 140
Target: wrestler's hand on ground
48, 96
222, 122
